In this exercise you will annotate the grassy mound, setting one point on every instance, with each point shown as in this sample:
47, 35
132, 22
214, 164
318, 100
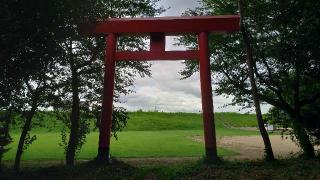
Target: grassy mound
150, 121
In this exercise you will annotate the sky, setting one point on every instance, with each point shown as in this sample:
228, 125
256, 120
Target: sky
165, 91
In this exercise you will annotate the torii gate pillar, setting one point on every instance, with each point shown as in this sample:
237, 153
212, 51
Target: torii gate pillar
158, 28
206, 97
107, 103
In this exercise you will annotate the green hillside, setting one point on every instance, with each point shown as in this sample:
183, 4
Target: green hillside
148, 134
140, 121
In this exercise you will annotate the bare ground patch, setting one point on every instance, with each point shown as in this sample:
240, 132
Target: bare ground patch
252, 147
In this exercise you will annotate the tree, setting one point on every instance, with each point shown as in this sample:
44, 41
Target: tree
10, 91
10, 86
36, 87
251, 63
310, 118
35, 97
81, 72
285, 48
41, 42
26, 56
5, 138
10, 81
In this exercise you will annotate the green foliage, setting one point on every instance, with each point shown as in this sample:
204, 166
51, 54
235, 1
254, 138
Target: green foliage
274, 116
64, 118
311, 122
27, 50
285, 53
28, 141
119, 120
5, 140
84, 129
45, 61
80, 71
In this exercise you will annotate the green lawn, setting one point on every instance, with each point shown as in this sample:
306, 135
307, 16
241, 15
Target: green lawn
148, 134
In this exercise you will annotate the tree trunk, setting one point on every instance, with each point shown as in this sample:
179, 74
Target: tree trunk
74, 118
250, 63
25, 130
298, 127
303, 139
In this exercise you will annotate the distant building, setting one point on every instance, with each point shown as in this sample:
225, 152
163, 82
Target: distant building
269, 127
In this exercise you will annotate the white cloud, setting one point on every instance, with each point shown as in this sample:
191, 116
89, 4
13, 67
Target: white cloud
165, 91
177, 7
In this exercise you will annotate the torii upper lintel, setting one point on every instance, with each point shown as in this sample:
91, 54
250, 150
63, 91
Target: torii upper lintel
167, 25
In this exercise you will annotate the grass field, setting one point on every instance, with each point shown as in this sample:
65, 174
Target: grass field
153, 134
148, 134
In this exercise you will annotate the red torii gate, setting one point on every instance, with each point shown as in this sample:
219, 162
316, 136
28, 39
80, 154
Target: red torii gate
157, 28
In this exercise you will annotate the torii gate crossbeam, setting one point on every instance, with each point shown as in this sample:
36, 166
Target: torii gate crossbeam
157, 29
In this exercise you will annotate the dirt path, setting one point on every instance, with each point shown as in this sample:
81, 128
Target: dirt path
251, 147
246, 147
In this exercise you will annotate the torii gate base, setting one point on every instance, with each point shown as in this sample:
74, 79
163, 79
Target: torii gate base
158, 28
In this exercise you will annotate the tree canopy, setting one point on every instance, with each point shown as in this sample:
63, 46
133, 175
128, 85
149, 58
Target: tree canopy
46, 62
285, 51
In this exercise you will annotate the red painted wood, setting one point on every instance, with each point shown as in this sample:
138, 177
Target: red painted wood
157, 42
157, 28
106, 117
167, 25
157, 55
206, 95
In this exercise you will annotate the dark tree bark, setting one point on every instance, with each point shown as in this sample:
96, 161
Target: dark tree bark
303, 138
75, 115
298, 126
25, 130
250, 63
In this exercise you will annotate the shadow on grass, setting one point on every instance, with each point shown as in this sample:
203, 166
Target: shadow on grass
83, 170
294, 168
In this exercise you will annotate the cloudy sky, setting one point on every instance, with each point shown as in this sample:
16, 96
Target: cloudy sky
165, 91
